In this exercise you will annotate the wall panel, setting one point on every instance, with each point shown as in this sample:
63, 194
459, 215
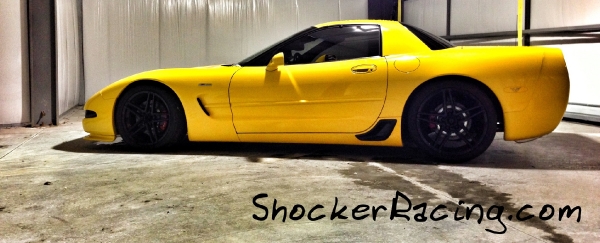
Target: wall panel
311, 12
354, 9
133, 43
561, 13
14, 81
182, 33
429, 15
582, 53
123, 37
483, 16
69, 57
96, 46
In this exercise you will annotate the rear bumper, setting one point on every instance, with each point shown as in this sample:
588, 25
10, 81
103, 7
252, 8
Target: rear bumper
548, 102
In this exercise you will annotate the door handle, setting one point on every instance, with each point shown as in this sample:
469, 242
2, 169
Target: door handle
364, 69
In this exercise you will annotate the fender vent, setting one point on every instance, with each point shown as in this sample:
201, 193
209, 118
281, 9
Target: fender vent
202, 107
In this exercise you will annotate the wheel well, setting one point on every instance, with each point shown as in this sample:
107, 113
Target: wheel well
483, 87
145, 83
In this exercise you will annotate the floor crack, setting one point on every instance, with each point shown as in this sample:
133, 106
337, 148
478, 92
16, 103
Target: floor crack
16, 147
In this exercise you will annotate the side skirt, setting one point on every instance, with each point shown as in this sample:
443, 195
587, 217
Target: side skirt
380, 132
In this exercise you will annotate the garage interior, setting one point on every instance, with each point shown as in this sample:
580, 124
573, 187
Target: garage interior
55, 186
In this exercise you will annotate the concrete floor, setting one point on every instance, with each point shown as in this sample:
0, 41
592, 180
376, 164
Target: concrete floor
55, 186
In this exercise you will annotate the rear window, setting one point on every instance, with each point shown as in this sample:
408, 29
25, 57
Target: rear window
434, 42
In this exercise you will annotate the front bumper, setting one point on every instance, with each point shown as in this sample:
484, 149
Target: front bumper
100, 127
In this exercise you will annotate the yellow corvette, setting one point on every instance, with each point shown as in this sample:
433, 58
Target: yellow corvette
346, 82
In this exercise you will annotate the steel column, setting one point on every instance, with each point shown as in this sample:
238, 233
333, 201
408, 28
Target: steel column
42, 61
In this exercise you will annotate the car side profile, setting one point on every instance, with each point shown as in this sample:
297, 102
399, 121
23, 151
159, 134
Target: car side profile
371, 82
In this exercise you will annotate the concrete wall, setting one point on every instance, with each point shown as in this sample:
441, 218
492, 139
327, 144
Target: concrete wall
14, 82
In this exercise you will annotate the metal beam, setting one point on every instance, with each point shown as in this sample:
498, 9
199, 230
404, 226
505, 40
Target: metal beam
380, 9
564, 30
508, 34
42, 61
527, 16
448, 16
560, 31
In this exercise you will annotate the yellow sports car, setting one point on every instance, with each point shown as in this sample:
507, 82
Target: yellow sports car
346, 82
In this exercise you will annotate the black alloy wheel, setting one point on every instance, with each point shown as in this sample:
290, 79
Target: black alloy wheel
148, 117
452, 121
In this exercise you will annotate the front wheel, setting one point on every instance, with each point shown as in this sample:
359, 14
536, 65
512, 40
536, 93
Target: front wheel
451, 121
149, 117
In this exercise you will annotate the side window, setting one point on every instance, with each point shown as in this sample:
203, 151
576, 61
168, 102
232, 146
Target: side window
334, 44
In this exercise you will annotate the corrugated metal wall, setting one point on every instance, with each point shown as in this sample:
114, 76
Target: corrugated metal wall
123, 37
560, 13
480, 16
427, 14
69, 68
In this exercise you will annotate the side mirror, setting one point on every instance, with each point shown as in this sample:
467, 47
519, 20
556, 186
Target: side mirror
275, 62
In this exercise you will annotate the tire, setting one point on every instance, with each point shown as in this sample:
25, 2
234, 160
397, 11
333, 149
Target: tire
149, 117
451, 121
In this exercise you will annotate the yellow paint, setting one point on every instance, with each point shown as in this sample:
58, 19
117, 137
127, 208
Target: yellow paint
184, 82
328, 103
407, 64
549, 96
273, 101
322, 138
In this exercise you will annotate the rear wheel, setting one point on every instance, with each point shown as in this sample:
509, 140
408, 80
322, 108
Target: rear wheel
451, 121
150, 117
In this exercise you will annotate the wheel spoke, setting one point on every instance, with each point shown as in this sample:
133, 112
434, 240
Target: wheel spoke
149, 99
426, 121
448, 101
437, 137
136, 128
426, 117
450, 98
474, 108
154, 118
153, 135
133, 109
465, 139
428, 114
438, 146
476, 114
470, 116
444, 102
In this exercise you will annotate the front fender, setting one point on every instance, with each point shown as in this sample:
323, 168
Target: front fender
208, 85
